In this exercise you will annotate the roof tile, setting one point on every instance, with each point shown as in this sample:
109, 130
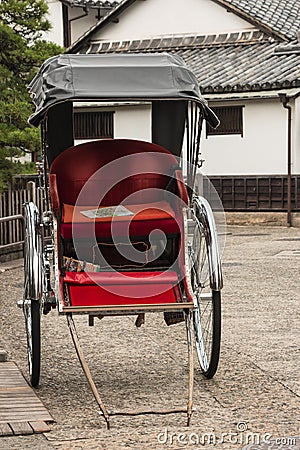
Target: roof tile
223, 63
282, 16
92, 3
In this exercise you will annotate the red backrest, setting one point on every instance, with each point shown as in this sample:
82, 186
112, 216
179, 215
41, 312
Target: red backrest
146, 169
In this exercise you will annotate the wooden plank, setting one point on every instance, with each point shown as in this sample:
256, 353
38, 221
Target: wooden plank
10, 231
17, 398
134, 309
21, 428
5, 429
12, 384
32, 414
19, 408
14, 390
16, 405
18, 401
24, 417
14, 208
39, 427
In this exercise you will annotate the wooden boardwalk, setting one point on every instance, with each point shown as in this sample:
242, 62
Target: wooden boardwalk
21, 411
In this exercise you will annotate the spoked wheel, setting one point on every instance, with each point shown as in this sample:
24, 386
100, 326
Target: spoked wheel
206, 284
33, 331
33, 290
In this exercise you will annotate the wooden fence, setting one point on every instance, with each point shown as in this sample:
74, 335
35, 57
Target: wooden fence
256, 193
11, 204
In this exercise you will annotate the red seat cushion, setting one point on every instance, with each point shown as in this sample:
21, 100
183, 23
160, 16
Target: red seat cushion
144, 219
122, 288
110, 170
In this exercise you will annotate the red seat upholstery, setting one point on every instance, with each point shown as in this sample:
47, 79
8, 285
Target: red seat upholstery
89, 175
144, 219
122, 288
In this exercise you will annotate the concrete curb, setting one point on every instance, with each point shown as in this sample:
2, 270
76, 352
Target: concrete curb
259, 218
10, 265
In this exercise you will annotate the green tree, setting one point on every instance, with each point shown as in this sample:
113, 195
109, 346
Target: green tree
22, 51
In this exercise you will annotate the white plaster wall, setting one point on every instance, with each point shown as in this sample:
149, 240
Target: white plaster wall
55, 18
296, 136
133, 122
130, 122
78, 27
148, 18
82, 24
261, 151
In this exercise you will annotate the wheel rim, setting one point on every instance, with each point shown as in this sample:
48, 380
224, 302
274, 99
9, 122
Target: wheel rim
203, 314
28, 325
207, 332
27, 302
33, 290
32, 311
28, 274
204, 340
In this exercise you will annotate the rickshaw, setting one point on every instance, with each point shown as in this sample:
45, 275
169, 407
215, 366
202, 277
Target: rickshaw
124, 232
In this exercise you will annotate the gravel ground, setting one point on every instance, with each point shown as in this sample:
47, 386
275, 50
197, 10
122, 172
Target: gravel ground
254, 395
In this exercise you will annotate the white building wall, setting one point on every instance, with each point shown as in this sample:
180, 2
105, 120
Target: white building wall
130, 122
263, 148
80, 23
78, 27
148, 18
296, 136
56, 20
261, 151
133, 123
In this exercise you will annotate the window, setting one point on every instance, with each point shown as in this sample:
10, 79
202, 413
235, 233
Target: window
93, 125
231, 121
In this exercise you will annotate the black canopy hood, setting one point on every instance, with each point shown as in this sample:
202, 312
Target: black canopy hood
114, 77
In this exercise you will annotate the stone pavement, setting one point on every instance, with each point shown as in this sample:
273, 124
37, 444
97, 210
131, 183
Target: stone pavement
254, 397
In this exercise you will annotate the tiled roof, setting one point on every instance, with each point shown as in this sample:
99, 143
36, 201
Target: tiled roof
280, 18
166, 43
253, 67
289, 48
113, 14
92, 3
235, 62
283, 16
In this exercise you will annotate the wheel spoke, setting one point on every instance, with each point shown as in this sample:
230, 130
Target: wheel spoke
207, 312
32, 289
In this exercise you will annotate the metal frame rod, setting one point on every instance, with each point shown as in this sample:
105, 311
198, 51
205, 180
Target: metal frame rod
189, 321
86, 369
105, 413
285, 100
160, 412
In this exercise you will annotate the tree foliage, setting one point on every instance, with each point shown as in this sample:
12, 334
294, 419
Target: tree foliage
27, 18
22, 51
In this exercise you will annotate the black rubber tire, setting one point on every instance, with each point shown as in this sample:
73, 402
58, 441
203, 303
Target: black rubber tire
206, 282
33, 329
33, 274
213, 357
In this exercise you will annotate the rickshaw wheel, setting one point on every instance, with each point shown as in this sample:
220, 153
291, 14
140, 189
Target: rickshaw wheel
33, 331
206, 283
33, 290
